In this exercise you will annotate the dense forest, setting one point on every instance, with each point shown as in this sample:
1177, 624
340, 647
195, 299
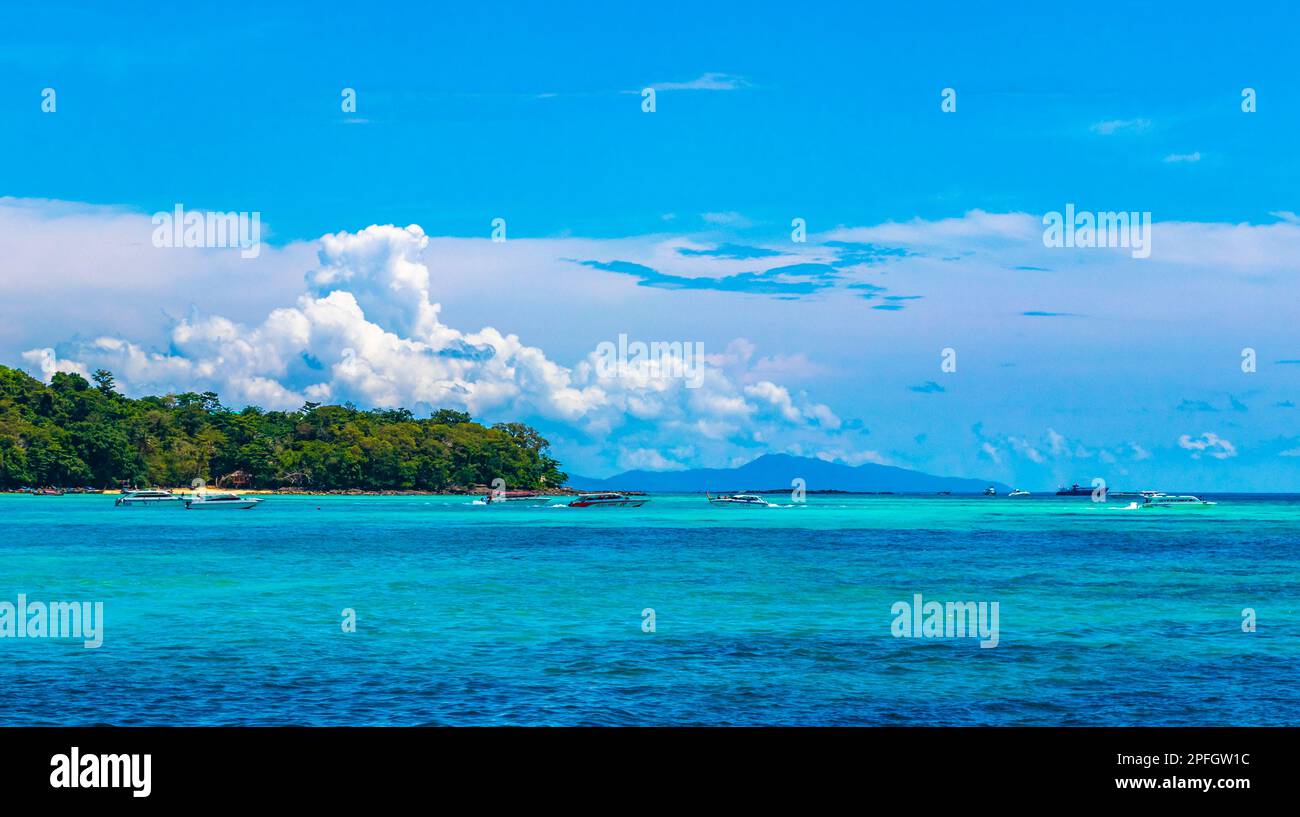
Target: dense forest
75, 433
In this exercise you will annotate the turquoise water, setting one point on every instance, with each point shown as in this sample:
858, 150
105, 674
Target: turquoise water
487, 615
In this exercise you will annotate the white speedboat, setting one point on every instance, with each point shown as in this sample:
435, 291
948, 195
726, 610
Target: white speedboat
609, 500
1130, 494
220, 502
516, 499
1174, 501
1018, 492
149, 499
738, 501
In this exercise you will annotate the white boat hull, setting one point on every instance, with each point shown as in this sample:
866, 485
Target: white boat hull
151, 503
626, 503
1185, 501
242, 505
519, 503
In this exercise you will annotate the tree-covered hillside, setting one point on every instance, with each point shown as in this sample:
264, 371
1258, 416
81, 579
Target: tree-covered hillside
74, 433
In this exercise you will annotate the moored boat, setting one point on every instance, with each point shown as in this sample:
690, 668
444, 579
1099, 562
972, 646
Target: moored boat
224, 502
149, 499
608, 500
1073, 490
1019, 492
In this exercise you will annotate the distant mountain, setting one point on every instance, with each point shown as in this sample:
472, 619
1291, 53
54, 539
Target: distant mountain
777, 471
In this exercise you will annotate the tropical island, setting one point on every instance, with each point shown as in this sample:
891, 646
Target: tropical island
73, 432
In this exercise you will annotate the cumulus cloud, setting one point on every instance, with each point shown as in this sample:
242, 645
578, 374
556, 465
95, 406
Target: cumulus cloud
46, 363
367, 330
777, 400
386, 316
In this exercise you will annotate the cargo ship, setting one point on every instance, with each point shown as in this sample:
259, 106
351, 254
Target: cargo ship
1073, 490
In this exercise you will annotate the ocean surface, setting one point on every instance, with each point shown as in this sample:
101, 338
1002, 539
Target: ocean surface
467, 614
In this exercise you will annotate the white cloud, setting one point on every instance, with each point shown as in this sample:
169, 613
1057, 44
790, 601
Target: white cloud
1208, 443
728, 218
94, 268
377, 322
854, 458
1113, 126
648, 459
1026, 450
776, 396
368, 330
951, 234
1183, 157
709, 81
1056, 447
797, 366
991, 452
46, 363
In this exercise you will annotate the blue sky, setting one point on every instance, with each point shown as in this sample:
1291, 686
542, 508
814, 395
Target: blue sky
836, 117
676, 225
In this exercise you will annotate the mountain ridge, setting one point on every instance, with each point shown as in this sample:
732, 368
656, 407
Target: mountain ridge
777, 471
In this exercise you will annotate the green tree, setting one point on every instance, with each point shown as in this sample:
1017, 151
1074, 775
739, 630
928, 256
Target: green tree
450, 417
104, 382
68, 433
